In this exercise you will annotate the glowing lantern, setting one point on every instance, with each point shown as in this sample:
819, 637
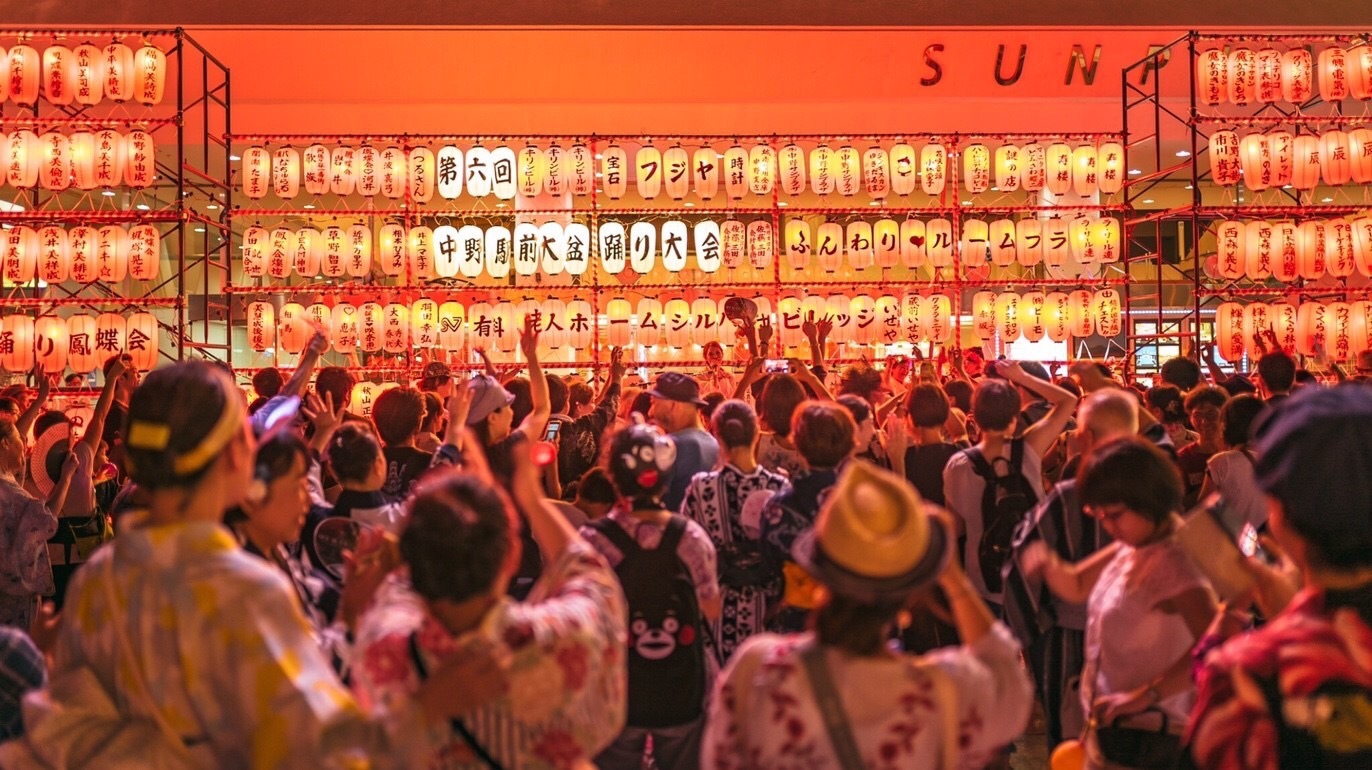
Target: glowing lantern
707, 320
280, 253
762, 169
888, 319
1256, 159
448, 252
828, 240
370, 317
1003, 248
1229, 331
526, 248
790, 170
23, 159
1224, 158
82, 355
1243, 75
1080, 319
111, 254
1340, 259
1110, 167
306, 249
676, 172
1007, 316
82, 145
1034, 160
1334, 158
555, 171
1084, 170
1297, 75
479, 165
359, 263
21, 253
939, 323
120, 80
886, 242
1362, 244
735, 164
581, 324
256, 172
576, 241
940, 244
334, 257
286, 173
1058, 160
864, 313
424, 323
913, 310
849, 179
876, 173
1269, 66
531, 168
734, 240
1056, 314
897, 170
1033, 315
648, 171
976, 168
1305, 173
344, 324
553, 320
1281, 146
1283, 318
984, 314
1007, 168
59, 74
448, 170
614, 164
643, 247
581, 170
552, 247
705, 236
499, 248
1212, 76
761, 243
1029, 242
140, 168
1312, 245
1256, 320
392, 249
1286, 265
1105, 239
318, 317
315, 169
395, 328
1360, 72
1229, 249
1360, 154
1106, 308
705, 173
24, 74
933, 168
1338, 339
798, 243
912, 241
141, 341
452, 319
342, 168
145, 252
367, 171
839, 308
1057, 238
618, 329
1083, 248
393, 165
1311, 328
1260, 249
109, 159
88, 76
55, 173
858, 241
150, 74
649, 314
1361, 325
53, 258
613, 251
822, 170
1333, 80
17, 354
789, 316
82, 242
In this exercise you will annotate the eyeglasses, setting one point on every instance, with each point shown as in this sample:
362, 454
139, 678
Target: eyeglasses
1110, 513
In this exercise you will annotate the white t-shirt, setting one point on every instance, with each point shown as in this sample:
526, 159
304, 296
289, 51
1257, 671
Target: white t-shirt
1245, 502
81, 492
962, 491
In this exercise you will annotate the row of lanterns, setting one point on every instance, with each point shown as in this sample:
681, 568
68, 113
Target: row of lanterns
1287, 251
1339, 330
1279, 158
1056, 315
83, 254
80, 342
420, 173
84, 75
1243, 76
85, 160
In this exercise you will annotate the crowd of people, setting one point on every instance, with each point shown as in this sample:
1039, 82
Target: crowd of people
899, 565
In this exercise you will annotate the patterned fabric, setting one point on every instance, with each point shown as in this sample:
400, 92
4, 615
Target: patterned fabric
568, 686
578, 441
696, 550
1315, 659
26, 525
21, 670
717, 380
728, 504
789, 513
775, 457
764, 715
317, 599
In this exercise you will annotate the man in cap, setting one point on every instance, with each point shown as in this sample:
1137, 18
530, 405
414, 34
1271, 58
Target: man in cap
676, 410
438, 379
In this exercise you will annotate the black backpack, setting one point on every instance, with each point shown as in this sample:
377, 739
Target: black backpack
1007, 498
666, 633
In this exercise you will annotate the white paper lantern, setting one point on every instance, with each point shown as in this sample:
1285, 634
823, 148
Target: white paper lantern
1004, 250
705, 172
933, 168
1059, 164
88, 78
499, 247
613, 249
555, 171
1035, 167
55, 172
477, 165
1339, 256
975, 244
142, 340
939, 246
1057, 315
447, 251
705, 321
141, 166
452, 325
256, 170
790, 317
1110, 167
449, 172
53, 259
342, 171
394, 165
648, 171
576, 241
791, 169
798, 243
111, 254
1243, 75
395, 328
913, 238
1008, 168
761, 243
255, 240
848, 179
59, 74
552, 248
367, 170
761, 170
1305, 173
733, 236
676, 166
1007, 316
314, 166
1311, 246
82, 244
829, 245
1212, 77
553, 323
618, 323
976, 168
1033, 318
286, 173
705, 236
333, 261
1084, 173
1269, 75
306, 252
1107, 309
912, 315
82, 355
526, 253
1259, 246
839, 308
391, 250
23, 159
858, 244
470, 245
581, 170
1283, 318
1287, 265
1362, 244
642, 247
370, 327
111, 331
118, 71
649, 314
1281, 145
424, 324
110, 156
1360, 154
145, 252
674, 245
1029, 242
1360, 72
1298, 75
345, 324
1105, 236
823, 170
876, 173
23, 75
359, 251
904, 169
497, 177
581, 324
1057, 240
984, 315
421, 174
150, 73
529, 171
886, 242
1338, 340
939, 319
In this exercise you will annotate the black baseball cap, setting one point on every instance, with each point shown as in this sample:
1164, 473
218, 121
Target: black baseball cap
675, 386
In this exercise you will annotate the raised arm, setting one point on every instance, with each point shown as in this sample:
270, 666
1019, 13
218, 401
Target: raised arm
1041, 435
537, 421
25, 421
808, 377
301, 376
95, 429
1070, 582
550, 529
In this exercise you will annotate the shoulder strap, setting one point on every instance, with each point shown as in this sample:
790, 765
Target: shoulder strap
615, 534
1016, 455
458, 725
979, 464
830, 708
671, 538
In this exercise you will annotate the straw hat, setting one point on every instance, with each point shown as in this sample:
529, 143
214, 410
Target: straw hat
50, 450
873, 541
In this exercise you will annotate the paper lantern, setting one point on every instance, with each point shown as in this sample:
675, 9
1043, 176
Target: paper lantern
1008, 168
342, 171
848, 180
424, 324
1083, 248
1311, 247
111, 254
1311, 328
529, 171
822, 170
1281, 146
452, 322
54, 259
23, 74
88, 75
1033, 162
789, 317
735, 165
614, 164
864, 312
1297, 76
613, 250
1002, 243
81, 352
1007, 316
762, 243
886, 243
642, 247
1229, 337
1362, 244
649, 314
1360, 72
762, 170
828, 242
555, 171
677, 172
359, 251
790, 169
552, 248
1305, 172
150, 73
1105, 239
674, 245
392, 249
109, 159
478, 165
256, 170
1360, 155
876, 173
1269, 75
16, 343
449, 177
887, 325
858, 244
145, 252
1340, 260
1338, 338
395, 328
939, 247
526, 252
1333, 74
59, 75
119, 77
581, 324
55, 172
976, 168
901, 172
733, 236
1110, 167
345, 326
913, 310
1029, 242
315, 169
1283, 318
1255, 157
984, 315
367, 170
1243, 75
1081, 320
553, 315
1334, 157
82, 243
21, 253
140, 169
142, 340
1224, 158
292, 331
306, 250
1033, 315
261, 326
705, 321
705, 236
370, 323
1212, 76
648, 171
1286, 264
618, 328
1057, 312
839, 308
23, 159
1057, 240
1256, 320
576, 240
318, 316
1361, 325
1231, 257
493, 172
447, 252
333, 254
286, 173
933, 168
581, 170
1084, 170
1259, 244
394, 163
82, 148
1106, 311
939, 319
705, 173
913, 237
495, 246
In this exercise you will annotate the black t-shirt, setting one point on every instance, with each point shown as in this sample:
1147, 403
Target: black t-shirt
924, 468
404, 465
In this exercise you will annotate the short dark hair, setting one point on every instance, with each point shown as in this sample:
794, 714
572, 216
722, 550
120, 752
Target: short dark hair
1278, 371
187, 399
337, 382
1237, 415
8, 404
268, 382
579, 394
433, 411
595, 487
1207, 396
1166, 399
824, 433
47, 420
1070, 385
780, 398
860, 380
1182, 372
1134, 473
458, 537
856, 405
712, 401
995, 404
352, 452
523, 403
398, 414
735, 424
557, 393
928, 405
104, 368
960, 393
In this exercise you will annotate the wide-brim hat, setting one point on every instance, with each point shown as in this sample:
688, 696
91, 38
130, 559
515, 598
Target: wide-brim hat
873, 542
50, 450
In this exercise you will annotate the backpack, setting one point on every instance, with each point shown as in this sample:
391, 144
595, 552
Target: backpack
1004, 502
666, 657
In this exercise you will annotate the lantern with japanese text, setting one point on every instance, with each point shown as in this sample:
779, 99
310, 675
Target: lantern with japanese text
933, 168
673, 245
447, 251
1106, 310
256, 171
1283, 318
367, 170
1057, 240
1338, 340
618, 329
292, 331
1269, 75
1058, 159
858, 242
1305, 171
530, 169
498, 246
109, 159
395, 328
1229, 249
705, 237
1311, 246
677, 172
492, 172
526, 248
903, 163
120, 80
1360, 72
1362, 244
1110, 167
391, 249
733, 236
864, 312
1007, 316
581, 170
53, 259
1057, 311
1311, 328
939, 319
1360, 154
305, 250
576, 242
333, 255
912, 240
839, 308
393, 164
16, 343
1080, 319
1255, 158
55, 172
1259, 245
82, 355
888, 320
828, 243
452, 322
359, 251
1033, 318
344, 324
649, 314
59, 74
82, 242
1002, 242
552, 248
1083, 248
150, 75
761, 243
643, 247
1243, 75
1339, 256
886, 242
370, 320
1286, 264
613, 251
110, 332
112, 254
1229, 336
424, 324
614, 168
318, 316
140, 169
876, 174
976, 168
984, 314
912, 310
314, 167
1105, 240
848, 180
705, 173
88, 76
790, 312
1084, 170
1334, 158
83, 159
554, 323
449, 177
1007, 168
1212, 76
555, 171
648, 171
342, 170
1297, 75
483, 324
145, 252
1333, 74
735, 164
24, 74
261, 326
141, 341
1224, 158
939, 247
1281, 146
1029, 242
705, 321
581, 324
364, 395
23, 159
762, 170
790, 168
823, 170
286, 173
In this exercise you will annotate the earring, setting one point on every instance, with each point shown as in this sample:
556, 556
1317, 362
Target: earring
904, 619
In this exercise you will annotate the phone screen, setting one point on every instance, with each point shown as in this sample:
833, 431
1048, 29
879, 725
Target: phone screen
554, 426
778, 365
